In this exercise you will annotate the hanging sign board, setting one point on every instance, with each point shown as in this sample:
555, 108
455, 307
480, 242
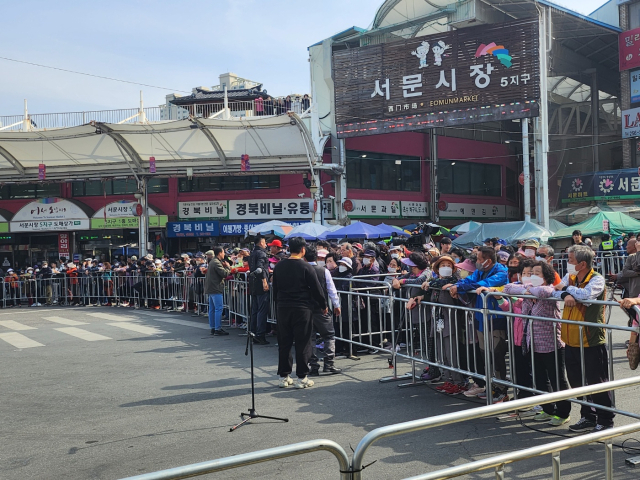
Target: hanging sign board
465, 76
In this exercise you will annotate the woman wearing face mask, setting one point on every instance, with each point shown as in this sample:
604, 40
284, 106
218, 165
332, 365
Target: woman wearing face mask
331, 263
545, 338
450, 323
457, 254
342, 281
513, 264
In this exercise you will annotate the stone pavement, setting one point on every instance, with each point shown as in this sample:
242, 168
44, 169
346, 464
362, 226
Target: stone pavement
105, 393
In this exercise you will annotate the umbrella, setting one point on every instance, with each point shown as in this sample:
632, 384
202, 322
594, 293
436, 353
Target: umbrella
466, 227
357, 230
272, 227
393, 231
308, 231
331, 228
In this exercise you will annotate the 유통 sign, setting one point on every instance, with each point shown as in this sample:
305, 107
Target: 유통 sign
470, 75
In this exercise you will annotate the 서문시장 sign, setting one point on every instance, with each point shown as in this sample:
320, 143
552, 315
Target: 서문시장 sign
470, 75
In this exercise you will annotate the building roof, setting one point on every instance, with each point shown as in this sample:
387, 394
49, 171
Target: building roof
218, 95
208, 146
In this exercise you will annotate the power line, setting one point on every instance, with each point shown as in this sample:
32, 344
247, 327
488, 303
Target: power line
92, 75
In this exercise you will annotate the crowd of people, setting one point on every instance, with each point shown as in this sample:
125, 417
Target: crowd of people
309, 289
447, 276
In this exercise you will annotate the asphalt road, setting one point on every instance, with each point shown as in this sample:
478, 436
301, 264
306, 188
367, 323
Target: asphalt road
106, 393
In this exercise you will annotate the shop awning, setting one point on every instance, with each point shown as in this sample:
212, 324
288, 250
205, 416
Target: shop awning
207, 146
577, 214
615, 223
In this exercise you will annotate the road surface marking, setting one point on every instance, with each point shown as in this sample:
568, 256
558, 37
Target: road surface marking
187, 323
18, 340
64, 321
13, 325
83, 334
107, 316
137, 328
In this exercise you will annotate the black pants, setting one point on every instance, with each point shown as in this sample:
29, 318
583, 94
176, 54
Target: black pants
522, 365
549, 377
294, 324
259, 312
596, 370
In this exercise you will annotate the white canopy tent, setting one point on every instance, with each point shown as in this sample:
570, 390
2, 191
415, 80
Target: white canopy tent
207, 146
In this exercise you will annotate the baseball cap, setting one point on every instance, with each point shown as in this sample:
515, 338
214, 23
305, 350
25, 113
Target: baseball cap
322, 253
134, 258
358, 246
369, 253
397, 247
275, 243
158, 261
532, 243
209, 252
503, 255
347, 261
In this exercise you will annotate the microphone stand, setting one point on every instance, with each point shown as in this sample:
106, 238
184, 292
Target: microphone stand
252, 411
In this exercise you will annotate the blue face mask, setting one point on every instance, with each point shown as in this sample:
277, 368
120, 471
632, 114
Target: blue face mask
457, 260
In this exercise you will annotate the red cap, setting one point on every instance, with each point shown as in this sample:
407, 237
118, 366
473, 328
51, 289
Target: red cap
275, 243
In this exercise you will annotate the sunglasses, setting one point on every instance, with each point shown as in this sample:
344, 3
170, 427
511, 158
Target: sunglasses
542, 255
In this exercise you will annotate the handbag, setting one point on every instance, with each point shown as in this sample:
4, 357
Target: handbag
633, 354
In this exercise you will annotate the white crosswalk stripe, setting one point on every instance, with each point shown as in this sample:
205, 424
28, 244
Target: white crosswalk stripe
187, 323
13, 325
64, 321
19, 341
83, 334
137, 328
107, 316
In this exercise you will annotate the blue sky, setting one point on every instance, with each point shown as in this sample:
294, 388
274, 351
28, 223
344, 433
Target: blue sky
175, 44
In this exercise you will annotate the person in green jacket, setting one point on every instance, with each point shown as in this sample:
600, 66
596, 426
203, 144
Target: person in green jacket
217, 271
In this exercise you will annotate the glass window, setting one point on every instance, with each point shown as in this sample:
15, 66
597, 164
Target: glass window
634, 16
381, 171
466, 178
117, 187
236, 182
30, 190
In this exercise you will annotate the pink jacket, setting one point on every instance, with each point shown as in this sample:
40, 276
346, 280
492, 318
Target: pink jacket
518, 325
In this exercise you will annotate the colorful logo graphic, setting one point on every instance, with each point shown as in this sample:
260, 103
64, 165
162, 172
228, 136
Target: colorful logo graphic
606, 185
576, 185
497, 51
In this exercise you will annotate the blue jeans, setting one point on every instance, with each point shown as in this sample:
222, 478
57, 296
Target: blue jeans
215, 310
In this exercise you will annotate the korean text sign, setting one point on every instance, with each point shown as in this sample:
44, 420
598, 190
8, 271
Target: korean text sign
410, 83
610, 185
629, 49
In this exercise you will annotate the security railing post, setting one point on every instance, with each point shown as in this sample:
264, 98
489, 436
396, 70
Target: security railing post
555, 465
500, 472
487, 351
608, 459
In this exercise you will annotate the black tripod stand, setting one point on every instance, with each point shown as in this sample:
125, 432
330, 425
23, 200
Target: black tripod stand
252, 411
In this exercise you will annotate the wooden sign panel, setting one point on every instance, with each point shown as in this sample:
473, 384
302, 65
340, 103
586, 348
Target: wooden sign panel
471, 75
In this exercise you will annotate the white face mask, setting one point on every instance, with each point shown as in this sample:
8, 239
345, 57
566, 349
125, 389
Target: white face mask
536, 281
342, 268
540, 259
571, 269
529, 253
526, 280
445, 271
395, 255
392, 269
366, 261
321, 263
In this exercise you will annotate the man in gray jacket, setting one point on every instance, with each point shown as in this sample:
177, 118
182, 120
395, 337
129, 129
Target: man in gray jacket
218, 270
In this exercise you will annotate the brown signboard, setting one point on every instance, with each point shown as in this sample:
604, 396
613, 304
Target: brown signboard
471, 75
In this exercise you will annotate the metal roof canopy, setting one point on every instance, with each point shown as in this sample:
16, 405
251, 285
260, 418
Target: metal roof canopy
208, 146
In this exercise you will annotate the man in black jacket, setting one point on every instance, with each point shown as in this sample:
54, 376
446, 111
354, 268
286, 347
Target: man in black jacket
296, 292
259, 285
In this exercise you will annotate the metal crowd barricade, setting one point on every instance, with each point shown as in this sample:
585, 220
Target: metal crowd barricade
606, 263
237, 299
513, 383
354, 469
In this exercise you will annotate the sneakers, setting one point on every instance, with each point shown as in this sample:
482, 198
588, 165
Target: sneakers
474, 391
285, 381
542, 417
500, 397
482, 395
600, 428
557, 421
455, 390
445, 386
303, 383
331, 369
583, 424
218, 333
429, 377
